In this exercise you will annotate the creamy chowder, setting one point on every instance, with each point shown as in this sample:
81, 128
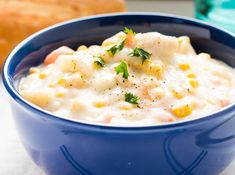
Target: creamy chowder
131, 79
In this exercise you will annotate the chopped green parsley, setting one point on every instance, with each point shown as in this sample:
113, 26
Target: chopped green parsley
129, 31
116, 48
138, 52
99, 61
130, 98
122, 68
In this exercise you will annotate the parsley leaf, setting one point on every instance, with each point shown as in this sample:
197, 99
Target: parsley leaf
116, 48
138, 52
122, 68
99, 61
129, 31
130, 98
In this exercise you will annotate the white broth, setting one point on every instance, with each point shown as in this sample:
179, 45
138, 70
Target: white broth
130, 80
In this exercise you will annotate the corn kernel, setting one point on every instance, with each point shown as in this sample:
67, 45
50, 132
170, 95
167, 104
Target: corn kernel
82, 47
60, 95
42, 75
182, 111
177, 94
61, 81
33, 70
194, 83
74, 80
152, 68
184, 66
191, 75
99, 104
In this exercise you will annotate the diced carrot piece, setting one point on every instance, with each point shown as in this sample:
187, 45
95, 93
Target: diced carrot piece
51, 58
145, 93
170, 119
105, 119
129, 40
224, 103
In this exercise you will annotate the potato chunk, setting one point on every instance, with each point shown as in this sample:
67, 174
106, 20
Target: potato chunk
160, 46
185, 46
40, 98
104, 81
74, 80
74, 63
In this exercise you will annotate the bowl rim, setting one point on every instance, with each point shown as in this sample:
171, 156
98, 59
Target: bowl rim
49, 115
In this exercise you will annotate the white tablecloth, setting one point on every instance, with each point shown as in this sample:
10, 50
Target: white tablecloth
13, 158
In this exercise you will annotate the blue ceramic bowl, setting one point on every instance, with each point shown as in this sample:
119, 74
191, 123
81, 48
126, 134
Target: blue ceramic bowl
59, 146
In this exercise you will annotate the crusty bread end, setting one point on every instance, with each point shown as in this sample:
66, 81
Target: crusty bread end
21, 18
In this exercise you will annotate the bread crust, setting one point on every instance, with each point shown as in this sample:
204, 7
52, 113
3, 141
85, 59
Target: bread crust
21, 18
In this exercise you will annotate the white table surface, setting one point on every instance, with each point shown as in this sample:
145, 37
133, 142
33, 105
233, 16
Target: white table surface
13, 158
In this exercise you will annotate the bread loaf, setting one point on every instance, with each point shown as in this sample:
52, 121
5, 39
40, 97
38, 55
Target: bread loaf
21, 18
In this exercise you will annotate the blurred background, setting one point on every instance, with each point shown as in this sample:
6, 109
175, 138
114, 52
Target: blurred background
32, 15
179, 7
217, 12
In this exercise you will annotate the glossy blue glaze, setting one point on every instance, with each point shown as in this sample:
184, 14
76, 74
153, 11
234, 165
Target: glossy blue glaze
63, 147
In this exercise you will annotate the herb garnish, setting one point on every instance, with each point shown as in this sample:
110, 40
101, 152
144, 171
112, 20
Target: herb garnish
129, 31
116, 48
122, 68
99, 61
138, 52
130, 98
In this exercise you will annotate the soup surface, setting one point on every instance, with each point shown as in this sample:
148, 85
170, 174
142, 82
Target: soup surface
131, 79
